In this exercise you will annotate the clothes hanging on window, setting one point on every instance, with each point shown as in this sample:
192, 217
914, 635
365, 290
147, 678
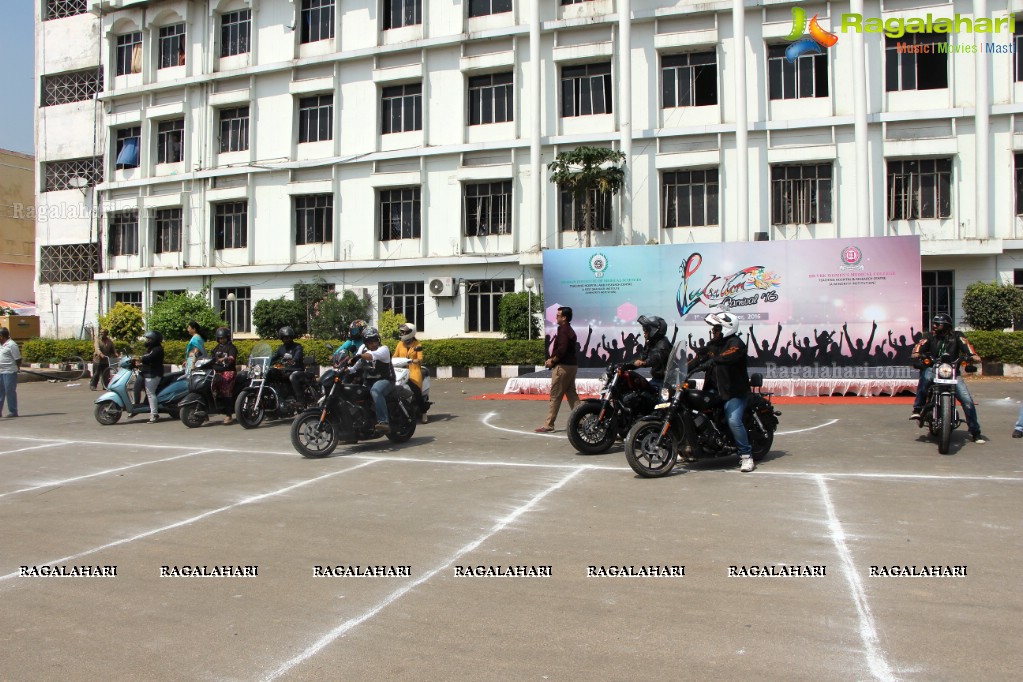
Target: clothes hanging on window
129, 155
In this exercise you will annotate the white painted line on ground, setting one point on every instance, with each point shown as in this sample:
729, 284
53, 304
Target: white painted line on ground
65, 481
925, 477
431, 460
811, 428
36, 447
193, 519
147, 446
489, 415
876, 659
345, 627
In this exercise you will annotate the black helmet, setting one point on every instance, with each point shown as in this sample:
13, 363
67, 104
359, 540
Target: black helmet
370, 334
355, 331
654, 327
153, 338
223, 334
941, 323
286, 333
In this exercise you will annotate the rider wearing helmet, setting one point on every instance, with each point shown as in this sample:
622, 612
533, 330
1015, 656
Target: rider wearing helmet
656, 349
375, 364
727, 373
945, 340
151, 364
292, 357
408, 347
349, 347
225, 355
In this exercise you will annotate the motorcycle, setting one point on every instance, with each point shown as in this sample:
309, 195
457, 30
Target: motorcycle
269, 394
201, 401
691, 423
596, 423
345, 413
116, 401
940, 413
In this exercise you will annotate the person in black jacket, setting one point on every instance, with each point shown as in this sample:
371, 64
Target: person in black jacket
151, 364
656, 350
564, 366
728, 374
224, 358
291, 355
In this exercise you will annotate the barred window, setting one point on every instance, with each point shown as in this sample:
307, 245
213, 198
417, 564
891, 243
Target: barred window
317, 20
801, 194
70, 174
126, 151
172, 46
316, 118
586, 90
400, 214
234, 129
68, 262
405, 298
483, 303
235, 30
170, 138
127, 297
230, 225
572, 211
58, 9
128, 56
74, 86
123, 233
491, 99
806, 77
690, 198
483, 8
919, 189
235, 304
168, 230
488, 208
314, 219
398, 13
689, 80
402, 108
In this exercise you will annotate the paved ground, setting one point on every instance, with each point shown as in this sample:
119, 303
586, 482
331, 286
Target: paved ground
847, 487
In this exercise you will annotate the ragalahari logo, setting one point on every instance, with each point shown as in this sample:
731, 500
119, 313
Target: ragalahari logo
815, 43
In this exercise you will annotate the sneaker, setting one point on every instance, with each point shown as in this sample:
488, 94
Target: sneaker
425, 418
747, 464
1017, 433
915, 415
383, 427
978, 438
152, 420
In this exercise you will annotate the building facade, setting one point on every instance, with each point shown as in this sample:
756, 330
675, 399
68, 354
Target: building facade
17, 226
398, 148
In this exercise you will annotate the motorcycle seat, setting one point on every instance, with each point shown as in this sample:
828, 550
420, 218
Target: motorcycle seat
168, 379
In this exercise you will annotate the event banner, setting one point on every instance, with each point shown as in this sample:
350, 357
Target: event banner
824, 303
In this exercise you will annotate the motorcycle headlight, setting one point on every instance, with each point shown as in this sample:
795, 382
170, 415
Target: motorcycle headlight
665, 393
944, 371
257, 372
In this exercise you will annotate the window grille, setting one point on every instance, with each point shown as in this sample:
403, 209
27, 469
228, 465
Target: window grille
405, 298
572, 211
58, 9
314, 219
488, 208
483, 303
68, 262
801, 195
128, 298
919, 189
123, 233
62, 175
230, 225
690, 198
237, 312
74, 86
400, 214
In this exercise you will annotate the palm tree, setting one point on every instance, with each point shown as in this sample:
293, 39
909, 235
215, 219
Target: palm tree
584, 172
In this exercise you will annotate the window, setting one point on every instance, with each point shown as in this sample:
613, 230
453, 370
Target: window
398, 13
1019, 184
68, 174
127, 297
801, 194
235, 304
483, 8
129, 54
406, 298
400, 214
168, 230
76, 86
127, 150
235, 30
1017, 59
806, 77
316, 118
488, 208
572, 211
484, 303
919, 189
170, 137
938, 294
68, 262
690, 198
491, 99
231, 225
172, 46
314, 219
689, 80
123, 229
586, 90
573, 2
58, 9
317, 20
234, 129
402, 108
910, 70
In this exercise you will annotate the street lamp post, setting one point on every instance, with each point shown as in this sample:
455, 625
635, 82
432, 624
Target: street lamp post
231, 298
56, 317
529, 305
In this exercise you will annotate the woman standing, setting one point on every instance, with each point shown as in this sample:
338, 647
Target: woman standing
196, 349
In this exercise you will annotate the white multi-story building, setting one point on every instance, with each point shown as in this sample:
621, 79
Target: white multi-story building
387, 145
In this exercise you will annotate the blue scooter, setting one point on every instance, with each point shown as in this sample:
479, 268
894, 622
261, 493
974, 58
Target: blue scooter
109, 406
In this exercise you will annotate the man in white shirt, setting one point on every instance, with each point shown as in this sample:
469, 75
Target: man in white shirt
10, 364
375, 364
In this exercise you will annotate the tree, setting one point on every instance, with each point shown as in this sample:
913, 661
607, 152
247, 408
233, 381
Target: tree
124, 322
332, 316
309, 294
585, 172
269, 315
516, 319
172, 313
990, 306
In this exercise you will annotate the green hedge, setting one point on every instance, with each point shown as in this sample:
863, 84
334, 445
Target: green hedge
1005, 347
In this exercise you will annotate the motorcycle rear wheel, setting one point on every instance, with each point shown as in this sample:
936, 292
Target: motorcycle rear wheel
311, 437
108, 412
192, 416
249, 414
946, 411
642, 453
761, 445
587, 433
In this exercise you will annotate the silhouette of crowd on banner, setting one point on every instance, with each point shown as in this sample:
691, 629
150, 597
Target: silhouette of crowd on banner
826, 347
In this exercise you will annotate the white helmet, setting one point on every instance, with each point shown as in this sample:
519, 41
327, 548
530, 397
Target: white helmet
407, 332
729, 322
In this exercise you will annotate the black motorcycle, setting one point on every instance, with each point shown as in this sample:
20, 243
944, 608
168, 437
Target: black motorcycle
269, 394
196, 407
691, 423
596, 423
940, 413
346, 414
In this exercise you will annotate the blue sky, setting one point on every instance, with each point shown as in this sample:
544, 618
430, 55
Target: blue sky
17, 80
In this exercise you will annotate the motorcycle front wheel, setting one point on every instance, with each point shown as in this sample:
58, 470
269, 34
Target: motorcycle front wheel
587, 433
108, 412
402, 428
947, 407
644, 455
192, 416
311, 437
247, 411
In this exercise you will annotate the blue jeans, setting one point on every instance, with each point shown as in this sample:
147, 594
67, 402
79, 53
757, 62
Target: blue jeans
1019, 420
380, 390
9, 392
734, 410
962, 394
